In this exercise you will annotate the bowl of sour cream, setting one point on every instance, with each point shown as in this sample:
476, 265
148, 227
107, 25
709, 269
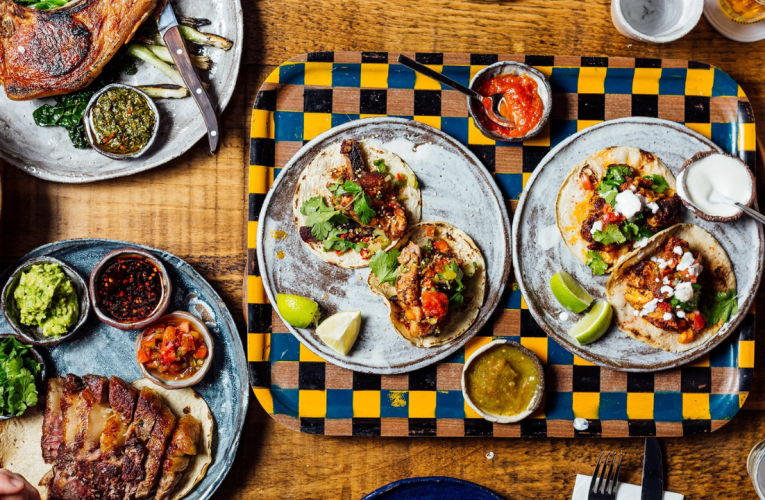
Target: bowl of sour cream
708, 178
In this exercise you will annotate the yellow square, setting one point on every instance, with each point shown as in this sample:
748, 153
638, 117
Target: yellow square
699, 82
586, 405
640, 405
747, 140
307, 355
265, 399
256, 294
258, 346
545, 70
422, 82
470, 412
252, 234
476, 137
474, 343
742, 399
362, 116
592, 80
704, 129
474, 70
274, 76
262, 124
746, 354
696, 406
524, 305
740, 92
433, 121
526, 177
422, 404
259, 179
537, 345
543, 139
582, 362
312, 404
318, 73
315, 124
702, 362
366, 404
646, 81
583, 124
374, 76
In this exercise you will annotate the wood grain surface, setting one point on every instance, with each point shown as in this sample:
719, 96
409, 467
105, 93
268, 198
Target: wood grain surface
195, 208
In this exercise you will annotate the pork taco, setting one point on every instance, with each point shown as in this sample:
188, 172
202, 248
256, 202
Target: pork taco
433, 283
353, 199
613, 202
676, 292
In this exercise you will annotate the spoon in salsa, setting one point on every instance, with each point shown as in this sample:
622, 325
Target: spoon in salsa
491, 103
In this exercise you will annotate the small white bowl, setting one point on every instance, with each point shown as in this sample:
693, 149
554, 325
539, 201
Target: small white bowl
656, 21
535, 402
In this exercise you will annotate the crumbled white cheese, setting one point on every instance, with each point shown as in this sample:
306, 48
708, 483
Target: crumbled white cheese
649, 307
653, 206
642, 242
678, 250
668, 290
633, 188
681, 314
667, 316
636, 312
695, 269
684, 292
628, 204
597, 226
686, 261
665, 280
662, 263
656, 280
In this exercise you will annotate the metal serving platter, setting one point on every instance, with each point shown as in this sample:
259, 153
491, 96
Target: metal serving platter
103, 350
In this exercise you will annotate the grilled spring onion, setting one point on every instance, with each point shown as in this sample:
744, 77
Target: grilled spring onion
165, 91
194, 36
146, 55
201, 62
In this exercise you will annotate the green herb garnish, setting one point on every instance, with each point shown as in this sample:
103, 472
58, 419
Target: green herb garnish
18, 372
362, 202
380, 164
596, 263
385, 265
658, 183
320, 217
722, 306
612, 234
692, 304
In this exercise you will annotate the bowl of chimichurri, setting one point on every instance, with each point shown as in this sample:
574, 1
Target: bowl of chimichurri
503, 381
121, 122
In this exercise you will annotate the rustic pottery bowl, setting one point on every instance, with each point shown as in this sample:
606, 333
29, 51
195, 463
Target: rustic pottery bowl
164, 300
478, 112
33, 334
42, 377
533, 405
91, 134
197, 325
681, 191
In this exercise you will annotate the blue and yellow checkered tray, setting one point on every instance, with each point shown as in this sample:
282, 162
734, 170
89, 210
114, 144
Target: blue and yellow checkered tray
312, 93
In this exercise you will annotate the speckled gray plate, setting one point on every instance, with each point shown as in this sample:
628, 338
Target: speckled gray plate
456, 188
539, 250
48, 153
103, 350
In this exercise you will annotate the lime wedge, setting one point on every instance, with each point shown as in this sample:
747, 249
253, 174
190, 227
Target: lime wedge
340, 331
594, 324
296, 310
569, 292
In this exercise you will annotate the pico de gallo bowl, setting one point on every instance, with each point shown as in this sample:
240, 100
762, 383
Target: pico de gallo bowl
176, 351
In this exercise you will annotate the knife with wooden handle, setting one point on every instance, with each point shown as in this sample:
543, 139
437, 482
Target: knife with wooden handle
168, 29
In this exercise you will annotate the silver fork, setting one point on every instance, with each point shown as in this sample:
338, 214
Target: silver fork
604, 487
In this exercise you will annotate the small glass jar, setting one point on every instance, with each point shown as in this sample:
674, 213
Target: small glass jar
744, 11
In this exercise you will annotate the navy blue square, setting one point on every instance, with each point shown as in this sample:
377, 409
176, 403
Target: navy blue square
557, 355
613, 406
400, 77
672, 81
346, 75
339, 403
619, 80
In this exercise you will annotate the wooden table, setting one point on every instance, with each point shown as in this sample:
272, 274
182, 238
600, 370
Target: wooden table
195, 207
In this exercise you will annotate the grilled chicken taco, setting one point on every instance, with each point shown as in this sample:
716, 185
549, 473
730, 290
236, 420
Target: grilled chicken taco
676, 292
353, 199
613, 202
433, 282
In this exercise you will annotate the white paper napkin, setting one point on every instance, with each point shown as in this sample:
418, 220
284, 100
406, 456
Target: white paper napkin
623, 491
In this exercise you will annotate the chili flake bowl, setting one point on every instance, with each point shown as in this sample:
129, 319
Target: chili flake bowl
33, 334
103, 265
91, 134
502, 68
42, 377
197, 325
533, 404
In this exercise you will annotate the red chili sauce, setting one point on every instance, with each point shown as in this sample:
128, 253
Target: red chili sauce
129, 289
521, 104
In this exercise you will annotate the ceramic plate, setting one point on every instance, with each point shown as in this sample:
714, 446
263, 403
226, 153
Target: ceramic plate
432, 488
456, 188
539, 250
102, 350
48, 153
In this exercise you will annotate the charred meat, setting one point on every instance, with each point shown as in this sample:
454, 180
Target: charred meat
183, 446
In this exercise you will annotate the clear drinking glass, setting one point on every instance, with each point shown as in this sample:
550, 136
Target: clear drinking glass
744, 11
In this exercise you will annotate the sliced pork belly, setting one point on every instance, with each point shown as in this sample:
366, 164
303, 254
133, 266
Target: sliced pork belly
72, 386
122, 399
53, 425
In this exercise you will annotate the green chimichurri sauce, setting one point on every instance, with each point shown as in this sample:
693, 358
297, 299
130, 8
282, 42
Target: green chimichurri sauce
122, 121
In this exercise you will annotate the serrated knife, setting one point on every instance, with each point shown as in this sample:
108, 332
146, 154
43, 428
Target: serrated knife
653, 472
168, 29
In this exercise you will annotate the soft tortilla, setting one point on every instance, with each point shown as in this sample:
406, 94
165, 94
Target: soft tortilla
573, 200
20, 438
458, 322
318, 175
714, 259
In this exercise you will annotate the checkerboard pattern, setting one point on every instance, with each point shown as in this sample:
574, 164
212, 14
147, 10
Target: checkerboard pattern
314, 92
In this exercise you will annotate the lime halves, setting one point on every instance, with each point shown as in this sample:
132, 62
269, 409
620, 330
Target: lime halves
594, 324
340, 331
569, 293
296, 310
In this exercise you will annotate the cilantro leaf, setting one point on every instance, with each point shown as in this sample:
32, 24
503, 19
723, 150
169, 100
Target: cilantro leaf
362, 202
692, 304
596, 263
658, 183
321, 218
18, 372
380, 164
612, 234
385, 265
608, 193
456, 300
722, 306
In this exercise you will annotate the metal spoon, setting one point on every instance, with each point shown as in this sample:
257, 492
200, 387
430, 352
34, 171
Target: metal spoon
492, 109
720, 199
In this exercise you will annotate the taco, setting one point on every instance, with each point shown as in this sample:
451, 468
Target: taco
433, 283
676, 292
613, 202
353, 199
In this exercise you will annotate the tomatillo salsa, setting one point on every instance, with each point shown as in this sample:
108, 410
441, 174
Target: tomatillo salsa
503, 380
123, 122
172, 350
522, 104
129, 290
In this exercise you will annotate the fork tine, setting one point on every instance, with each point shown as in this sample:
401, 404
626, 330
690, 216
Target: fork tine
593, 482
612, 490
607, 484
602, 483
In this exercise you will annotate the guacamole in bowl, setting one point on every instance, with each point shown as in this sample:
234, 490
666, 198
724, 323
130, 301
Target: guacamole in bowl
46, 298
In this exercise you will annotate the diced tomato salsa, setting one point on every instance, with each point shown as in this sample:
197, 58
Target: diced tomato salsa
172, 350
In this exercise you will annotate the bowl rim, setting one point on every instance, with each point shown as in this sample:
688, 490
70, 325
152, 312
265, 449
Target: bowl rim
525, 68
621, 23
533, 405
191, 381
41, 389
164, 301
693, 208
89, 133
83, 297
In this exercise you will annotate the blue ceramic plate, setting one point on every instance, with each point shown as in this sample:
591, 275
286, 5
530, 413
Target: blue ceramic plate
432, 488
102, 350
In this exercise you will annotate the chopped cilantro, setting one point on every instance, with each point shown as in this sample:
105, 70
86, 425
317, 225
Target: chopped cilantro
321, 218
17, 378
335, 242
362, 202
380, 164
385, 265
722, 306
596, 263
689, 306
608, 193
658, 183
612, 234
615, 177
456, 300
